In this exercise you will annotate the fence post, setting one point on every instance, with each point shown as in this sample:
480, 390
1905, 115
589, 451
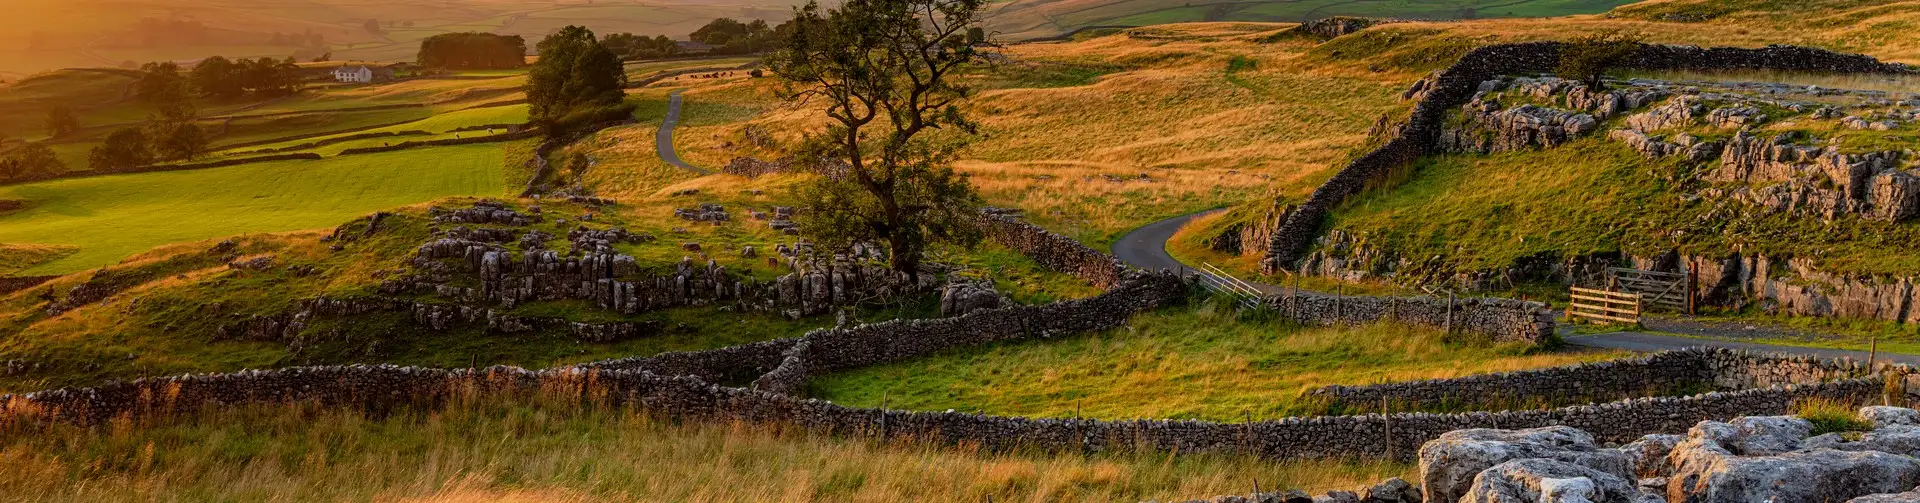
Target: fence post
1692, 282
1339, 295
1387, 419
1449, 326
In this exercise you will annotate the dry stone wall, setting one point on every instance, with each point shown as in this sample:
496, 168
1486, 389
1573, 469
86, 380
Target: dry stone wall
1502, 320
1372, 435
1457, 84
1648, 375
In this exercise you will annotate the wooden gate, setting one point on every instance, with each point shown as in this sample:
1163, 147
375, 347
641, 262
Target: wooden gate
1604, 306
1657, 290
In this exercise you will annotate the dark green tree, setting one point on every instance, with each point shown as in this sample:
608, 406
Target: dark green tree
218, 77
177, 140
472, 51
885, 71
576, 81
1588, 57
158, 80
61, 121
123, 149
30, 161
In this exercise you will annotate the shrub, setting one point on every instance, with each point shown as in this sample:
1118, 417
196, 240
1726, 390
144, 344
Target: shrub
1589, 57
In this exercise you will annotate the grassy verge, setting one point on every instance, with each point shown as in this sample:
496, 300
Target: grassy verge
1188, 362
552, 450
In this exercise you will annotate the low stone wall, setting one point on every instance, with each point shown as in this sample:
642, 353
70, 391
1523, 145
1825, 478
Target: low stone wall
156, 168
1454, 86
1374, 435
518, 135
1502, 320
341, 139
1654, 374
833, 349
1054, 251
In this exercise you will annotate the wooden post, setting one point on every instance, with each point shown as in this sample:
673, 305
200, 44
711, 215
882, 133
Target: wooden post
1692, 283
885, 397
1873, 350
1449, 326
1339, 294
1387, 419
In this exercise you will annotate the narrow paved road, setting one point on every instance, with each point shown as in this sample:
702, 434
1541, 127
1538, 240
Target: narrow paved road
663, 139
1146, 247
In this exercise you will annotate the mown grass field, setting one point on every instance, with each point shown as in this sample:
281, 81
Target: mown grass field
1184, 362
111, 217
558, 450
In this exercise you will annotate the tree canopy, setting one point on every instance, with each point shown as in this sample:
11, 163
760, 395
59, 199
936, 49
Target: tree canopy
30, 161
219, 77
576, 81
473, 51
61, 121
1588, 57
884, 70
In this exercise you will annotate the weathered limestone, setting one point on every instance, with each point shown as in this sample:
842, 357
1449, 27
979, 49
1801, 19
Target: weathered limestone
1753, 459
1548, 481
1450, 464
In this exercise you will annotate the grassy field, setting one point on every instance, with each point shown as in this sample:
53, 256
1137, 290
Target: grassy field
553, 450
1035, 18
1206, 113
111, 217
1194, 362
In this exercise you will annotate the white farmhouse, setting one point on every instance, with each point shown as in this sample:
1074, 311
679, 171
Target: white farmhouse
353, 74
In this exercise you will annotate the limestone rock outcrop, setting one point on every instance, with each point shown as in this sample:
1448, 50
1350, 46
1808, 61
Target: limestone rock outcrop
1450, 463
1745, 460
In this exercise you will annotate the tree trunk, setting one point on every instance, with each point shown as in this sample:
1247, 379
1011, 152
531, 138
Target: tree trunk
902, 257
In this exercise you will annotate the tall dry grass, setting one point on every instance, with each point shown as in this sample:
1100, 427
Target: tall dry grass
545, 449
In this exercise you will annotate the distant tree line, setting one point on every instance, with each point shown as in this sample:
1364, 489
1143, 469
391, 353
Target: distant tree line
308, 39
473, 51
219, 77
630, 46
730, 36
726, 35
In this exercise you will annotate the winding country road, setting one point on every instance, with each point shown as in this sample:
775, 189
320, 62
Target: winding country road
1146, 247
663, 139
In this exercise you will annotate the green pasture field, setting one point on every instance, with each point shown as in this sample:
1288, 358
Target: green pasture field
111, 217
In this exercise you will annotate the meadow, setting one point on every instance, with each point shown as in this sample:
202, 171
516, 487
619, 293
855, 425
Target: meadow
1201, 362
554, 449
110, 217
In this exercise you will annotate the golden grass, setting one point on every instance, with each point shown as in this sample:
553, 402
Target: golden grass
544, 449
1194, 362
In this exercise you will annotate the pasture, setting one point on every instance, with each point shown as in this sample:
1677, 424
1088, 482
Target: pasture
110, 217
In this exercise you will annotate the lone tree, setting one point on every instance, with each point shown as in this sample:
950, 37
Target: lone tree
577, 81
124, 148
30, 161
61, 121
1588, 57
884, 69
